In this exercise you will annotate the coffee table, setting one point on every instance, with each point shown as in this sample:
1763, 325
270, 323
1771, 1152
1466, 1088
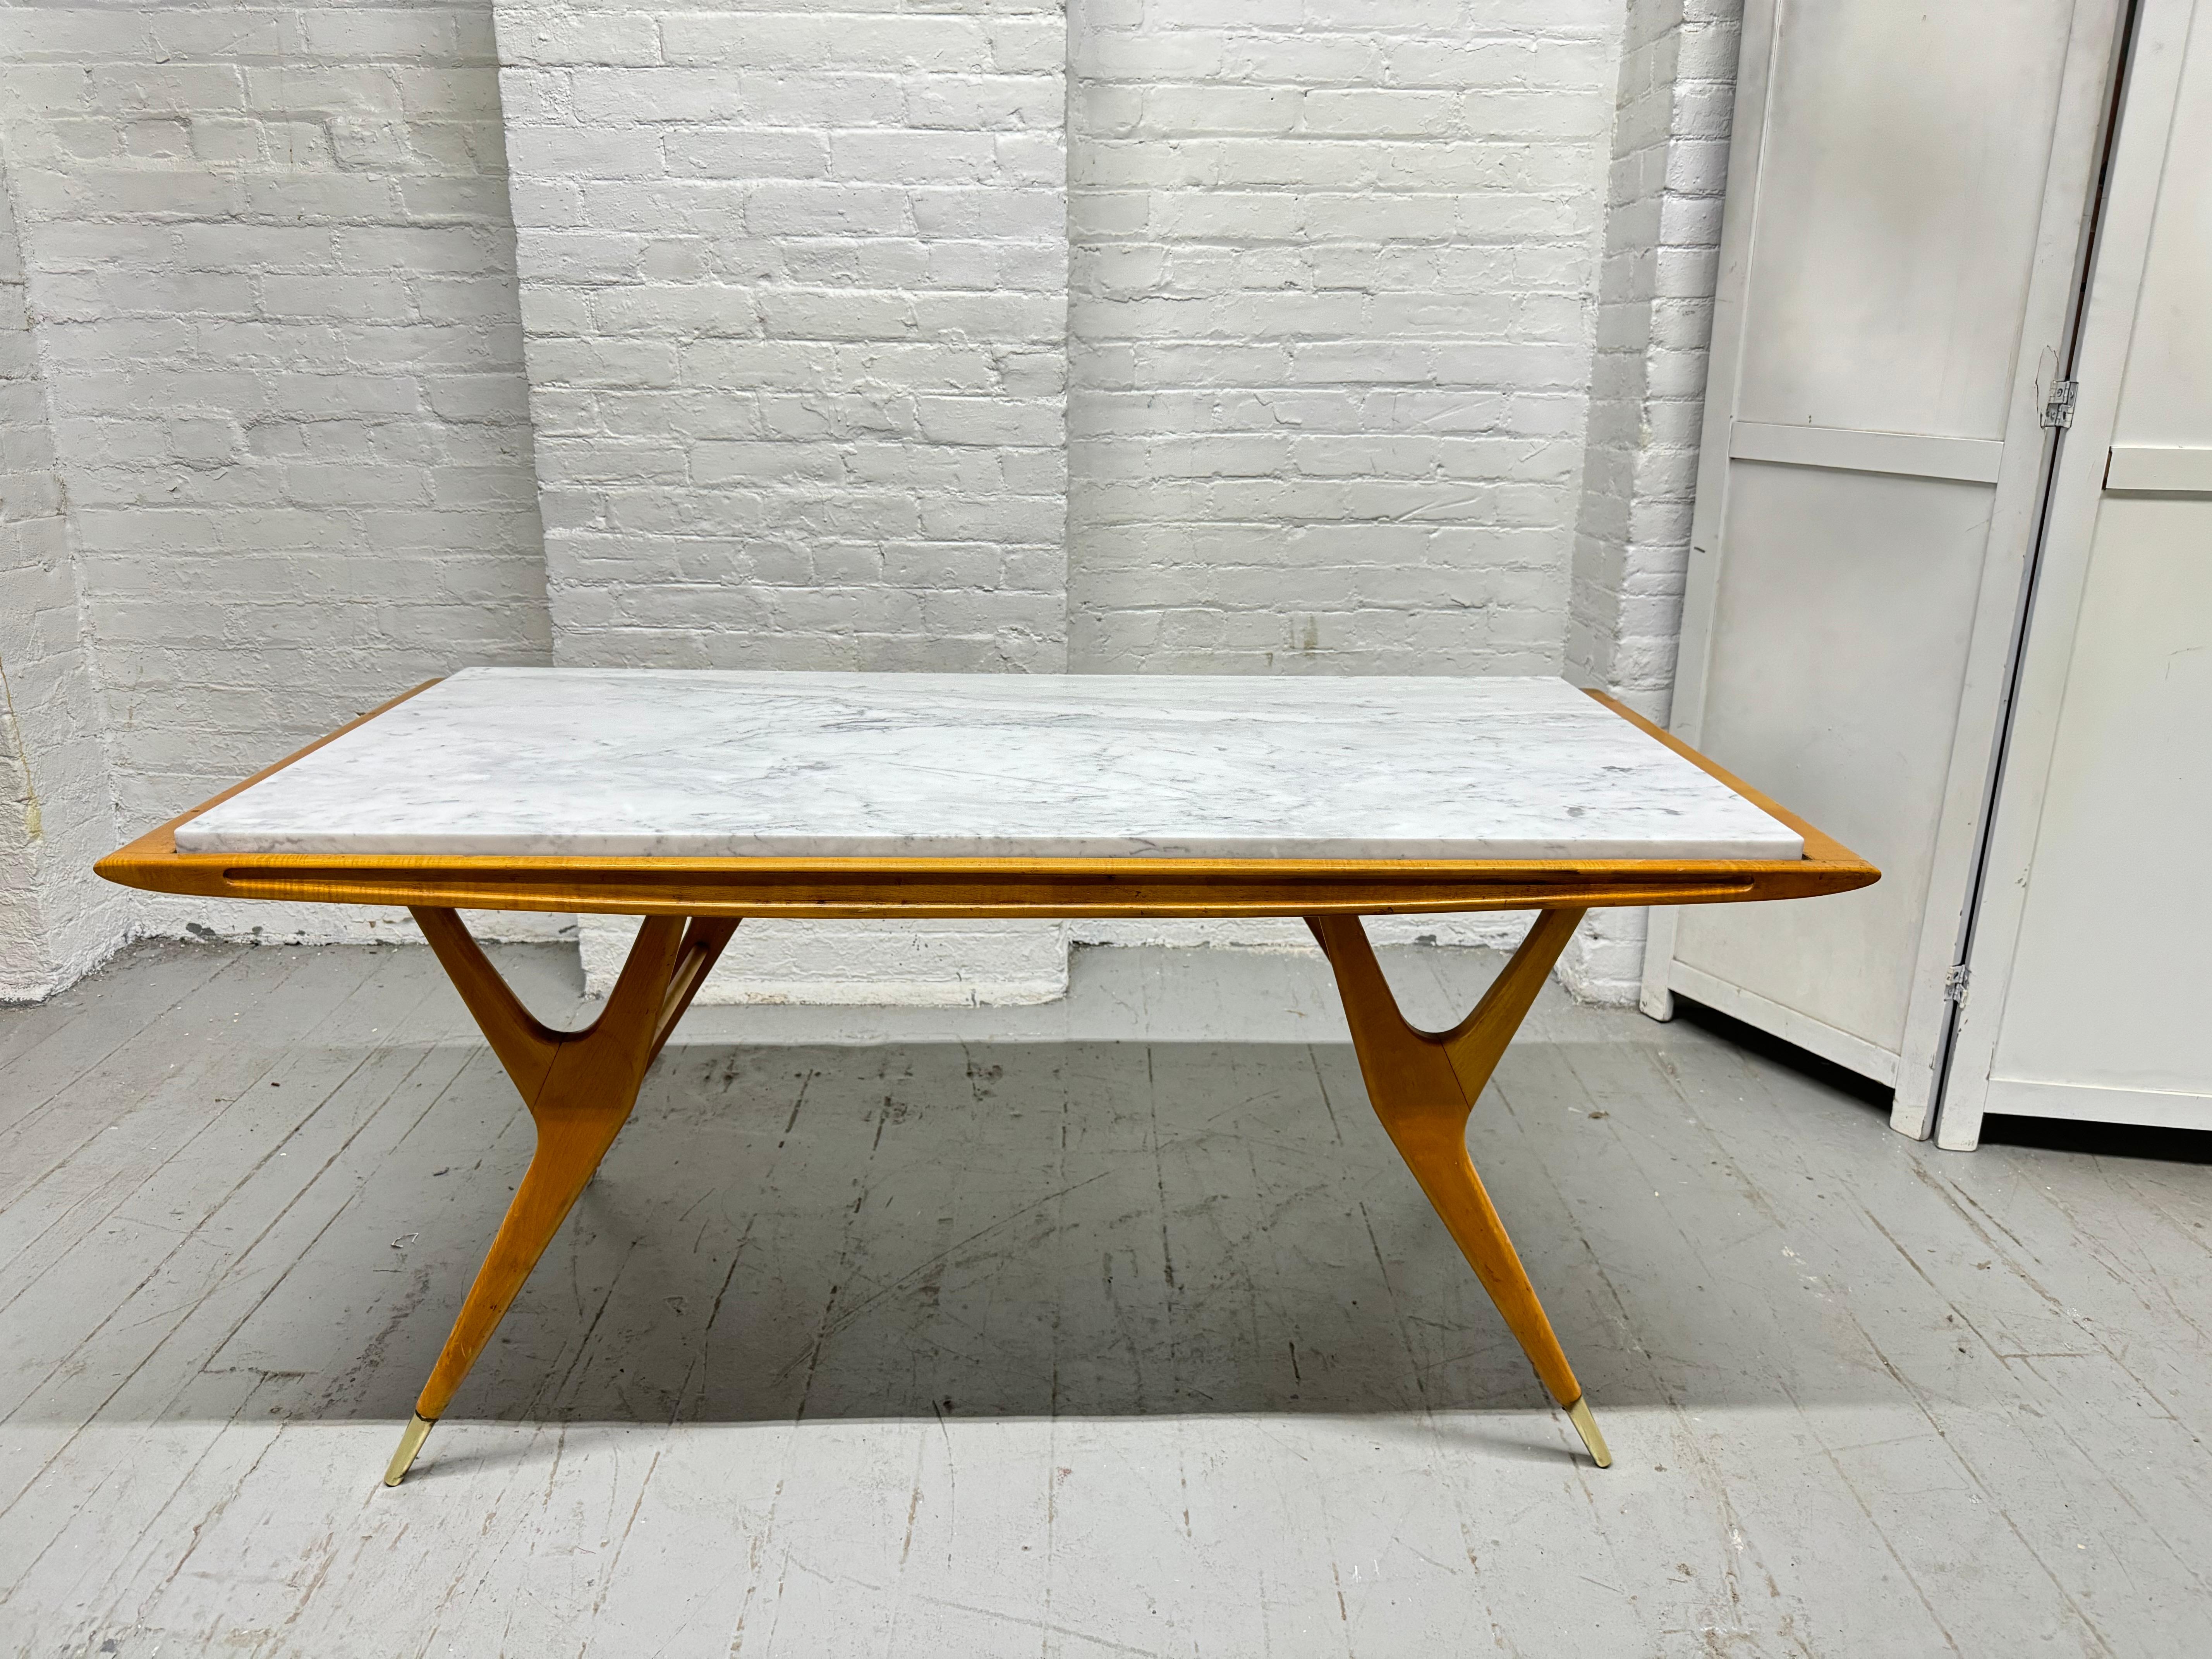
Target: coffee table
696, 798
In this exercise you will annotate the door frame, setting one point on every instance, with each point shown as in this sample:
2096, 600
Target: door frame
2020, 471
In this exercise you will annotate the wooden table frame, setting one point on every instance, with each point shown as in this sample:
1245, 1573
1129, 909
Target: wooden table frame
580, 1086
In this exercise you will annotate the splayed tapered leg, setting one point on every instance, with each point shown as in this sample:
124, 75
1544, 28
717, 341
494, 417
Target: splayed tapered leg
579, 1087
1423, 1084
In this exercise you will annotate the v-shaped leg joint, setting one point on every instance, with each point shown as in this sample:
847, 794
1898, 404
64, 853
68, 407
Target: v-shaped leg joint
1474, 1046
579, 1087
1424, 1085
524, 1047
702, 947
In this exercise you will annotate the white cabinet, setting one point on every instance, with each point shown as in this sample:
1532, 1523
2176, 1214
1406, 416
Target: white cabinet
1951, 590
1901, 252
2090, 988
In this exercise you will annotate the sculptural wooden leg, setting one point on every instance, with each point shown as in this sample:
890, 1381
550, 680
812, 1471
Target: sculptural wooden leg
579, 1087
1424, 1085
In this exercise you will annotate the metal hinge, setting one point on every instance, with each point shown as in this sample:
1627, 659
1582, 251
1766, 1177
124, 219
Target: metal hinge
2059, 411
1955, 982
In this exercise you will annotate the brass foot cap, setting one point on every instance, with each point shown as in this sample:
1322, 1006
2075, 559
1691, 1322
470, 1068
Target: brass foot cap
1586, 1425
410, 1441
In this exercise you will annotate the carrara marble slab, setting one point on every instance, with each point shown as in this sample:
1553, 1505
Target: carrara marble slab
702, 763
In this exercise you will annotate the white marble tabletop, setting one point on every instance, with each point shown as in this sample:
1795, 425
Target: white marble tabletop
698, 764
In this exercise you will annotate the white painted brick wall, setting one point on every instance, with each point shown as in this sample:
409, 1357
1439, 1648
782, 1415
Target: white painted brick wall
1330, 316
1388, 327
56, 804
271, 273
1332, 304
1639, 473
794, 289
794, 286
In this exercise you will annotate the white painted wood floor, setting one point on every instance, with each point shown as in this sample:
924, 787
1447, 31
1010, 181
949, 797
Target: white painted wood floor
1077, 1330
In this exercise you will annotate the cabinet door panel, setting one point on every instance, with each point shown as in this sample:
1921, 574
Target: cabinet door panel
1902, 187
1908, 191
1832, 645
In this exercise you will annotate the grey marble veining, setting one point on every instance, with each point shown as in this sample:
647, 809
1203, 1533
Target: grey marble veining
711, 764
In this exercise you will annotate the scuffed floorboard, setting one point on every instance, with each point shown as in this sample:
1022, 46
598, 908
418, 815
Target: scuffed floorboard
1106, 1328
